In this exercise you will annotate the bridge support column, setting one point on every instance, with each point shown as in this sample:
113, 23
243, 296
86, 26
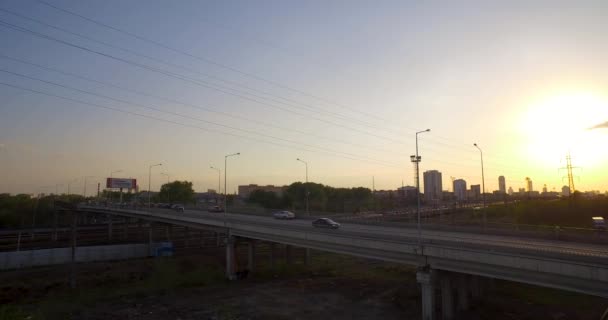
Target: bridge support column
476, 287
427, 286
447, 296
288, 255
230, 258
251, 255
462, 292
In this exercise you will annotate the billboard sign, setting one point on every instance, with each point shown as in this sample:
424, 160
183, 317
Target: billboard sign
117, 183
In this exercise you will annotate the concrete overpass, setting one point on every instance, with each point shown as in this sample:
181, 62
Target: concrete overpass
456, 263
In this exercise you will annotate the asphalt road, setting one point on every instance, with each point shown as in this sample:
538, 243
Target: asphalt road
410, 235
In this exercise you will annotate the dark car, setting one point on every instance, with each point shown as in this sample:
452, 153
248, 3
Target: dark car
325, 223
215, 209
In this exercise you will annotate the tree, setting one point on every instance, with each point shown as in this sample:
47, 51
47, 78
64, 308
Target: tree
177, 191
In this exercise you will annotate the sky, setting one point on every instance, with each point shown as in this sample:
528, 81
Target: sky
92, 87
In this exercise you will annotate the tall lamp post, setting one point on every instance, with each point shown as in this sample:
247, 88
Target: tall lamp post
416, 159
219, 187
84, 191
483, 186
306, 189
150, 183
225, 185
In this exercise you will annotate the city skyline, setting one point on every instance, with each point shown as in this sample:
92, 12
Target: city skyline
531, 92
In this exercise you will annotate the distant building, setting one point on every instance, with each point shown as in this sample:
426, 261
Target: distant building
502, 185
432, 185
545, 188
510, 191
529, 185
245, 191
475, 191
407, 192
460, 189
565, 191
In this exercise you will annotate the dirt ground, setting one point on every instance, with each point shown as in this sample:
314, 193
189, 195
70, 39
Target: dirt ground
191, 286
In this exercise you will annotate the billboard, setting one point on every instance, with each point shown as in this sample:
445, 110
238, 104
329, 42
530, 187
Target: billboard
117, 183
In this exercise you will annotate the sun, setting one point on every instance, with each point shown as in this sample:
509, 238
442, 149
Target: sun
560, 124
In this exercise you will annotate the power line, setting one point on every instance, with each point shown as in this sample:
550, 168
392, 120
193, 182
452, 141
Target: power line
184, 124
290, 102
198, 107
190, 117
183, 78
206, 60
218, 64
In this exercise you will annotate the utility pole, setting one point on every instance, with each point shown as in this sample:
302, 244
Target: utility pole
416, 160
483, 187
225, 185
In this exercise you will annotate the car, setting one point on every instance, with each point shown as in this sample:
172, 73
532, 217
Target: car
325, 223
284, 214
215, 209
178, 207
599, 223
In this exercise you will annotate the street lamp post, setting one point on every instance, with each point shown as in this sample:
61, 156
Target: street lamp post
219, 188
84, 192
150, 183
483, 186
306, 189
225, 185
416, 159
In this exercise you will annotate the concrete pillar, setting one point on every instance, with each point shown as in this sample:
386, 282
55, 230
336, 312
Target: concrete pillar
251, 255
447, 297
230, 258
427, 286
271, 252
307, 257
110, 220
476, 287
288, 255
462, 289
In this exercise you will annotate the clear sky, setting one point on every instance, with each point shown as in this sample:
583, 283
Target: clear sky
343, 85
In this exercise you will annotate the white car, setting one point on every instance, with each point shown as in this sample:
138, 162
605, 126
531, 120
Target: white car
284, 215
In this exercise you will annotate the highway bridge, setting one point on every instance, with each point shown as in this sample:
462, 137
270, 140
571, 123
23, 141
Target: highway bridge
456, 263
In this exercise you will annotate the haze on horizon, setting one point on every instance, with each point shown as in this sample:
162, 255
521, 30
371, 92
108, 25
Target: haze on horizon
343, 85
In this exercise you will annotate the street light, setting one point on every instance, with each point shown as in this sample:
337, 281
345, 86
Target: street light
84, 192
306, 189
225, 185
416, 159
483, 186
219, 188
150, 183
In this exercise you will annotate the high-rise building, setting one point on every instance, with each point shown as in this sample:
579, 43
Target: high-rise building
545, 188
529, 185
510, 191
460, 189
432, 185
502, 186
476, 190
